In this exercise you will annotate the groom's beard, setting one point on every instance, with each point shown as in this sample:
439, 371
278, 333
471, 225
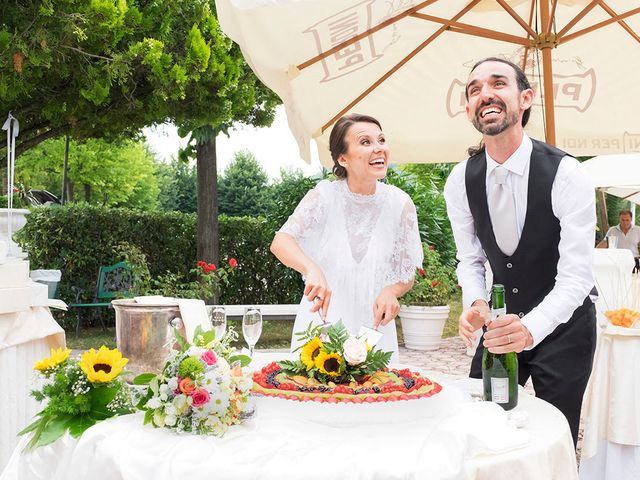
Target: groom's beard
494, 128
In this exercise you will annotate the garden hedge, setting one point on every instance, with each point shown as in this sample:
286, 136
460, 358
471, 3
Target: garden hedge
77, 239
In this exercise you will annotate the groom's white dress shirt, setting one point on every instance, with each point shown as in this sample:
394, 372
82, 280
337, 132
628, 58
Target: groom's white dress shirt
573, 203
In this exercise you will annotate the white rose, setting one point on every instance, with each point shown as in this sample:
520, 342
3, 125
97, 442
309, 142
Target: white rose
153, 403
170, 420
354, 351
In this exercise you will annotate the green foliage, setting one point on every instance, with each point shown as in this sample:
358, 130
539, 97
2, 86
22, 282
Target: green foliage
241, 187
105, 68
203, 281
425, 189
18, 200
434, 282
77, 239
178, 186
119, 173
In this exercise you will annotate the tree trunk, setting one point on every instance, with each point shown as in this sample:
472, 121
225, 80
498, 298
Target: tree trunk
602, 210
208, 233
87, 193
69, 197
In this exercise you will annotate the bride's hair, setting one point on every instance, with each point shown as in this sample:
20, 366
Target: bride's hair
337, 143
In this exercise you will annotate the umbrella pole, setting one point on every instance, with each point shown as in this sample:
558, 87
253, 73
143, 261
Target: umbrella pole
547, 69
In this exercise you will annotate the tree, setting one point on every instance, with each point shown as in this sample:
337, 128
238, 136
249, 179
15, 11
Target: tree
241, 189
118, 174
110, 67
177, 181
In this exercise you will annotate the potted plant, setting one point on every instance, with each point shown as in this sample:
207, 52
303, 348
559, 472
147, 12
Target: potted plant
424, 309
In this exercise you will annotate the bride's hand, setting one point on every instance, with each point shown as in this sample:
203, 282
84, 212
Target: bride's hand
386, 307
317, 291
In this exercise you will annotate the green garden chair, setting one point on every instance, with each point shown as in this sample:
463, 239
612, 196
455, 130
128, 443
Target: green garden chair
114, 281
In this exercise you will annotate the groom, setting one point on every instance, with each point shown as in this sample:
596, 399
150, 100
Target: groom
525, 207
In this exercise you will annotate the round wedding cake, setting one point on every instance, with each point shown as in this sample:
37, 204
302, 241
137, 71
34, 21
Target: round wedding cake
389, 385
389, 396
339, 378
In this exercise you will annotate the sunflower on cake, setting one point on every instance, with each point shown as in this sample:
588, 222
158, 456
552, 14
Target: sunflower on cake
334, 366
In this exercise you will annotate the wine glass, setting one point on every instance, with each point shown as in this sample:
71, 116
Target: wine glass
218, 319
251, 327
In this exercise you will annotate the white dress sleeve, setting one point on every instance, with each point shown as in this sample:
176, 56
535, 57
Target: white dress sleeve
309, 217
407, 248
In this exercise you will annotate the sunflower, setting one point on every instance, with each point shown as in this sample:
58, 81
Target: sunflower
102, 366
58, 355
329, 363
310, 351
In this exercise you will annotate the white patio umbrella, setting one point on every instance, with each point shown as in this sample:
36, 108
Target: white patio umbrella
406, 63
618, 175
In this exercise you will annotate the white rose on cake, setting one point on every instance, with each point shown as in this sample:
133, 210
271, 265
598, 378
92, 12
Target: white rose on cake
354, 351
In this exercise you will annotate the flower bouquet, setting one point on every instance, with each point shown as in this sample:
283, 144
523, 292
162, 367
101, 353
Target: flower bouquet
334, 356
78, 392
202, 388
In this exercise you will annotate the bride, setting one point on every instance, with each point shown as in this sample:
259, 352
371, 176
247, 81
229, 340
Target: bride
354, 240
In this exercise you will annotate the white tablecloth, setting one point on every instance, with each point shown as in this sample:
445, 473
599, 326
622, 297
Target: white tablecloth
611, 445
612, 269
25, 337
456, 445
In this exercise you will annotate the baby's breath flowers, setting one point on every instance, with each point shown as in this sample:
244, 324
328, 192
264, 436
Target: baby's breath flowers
78, 393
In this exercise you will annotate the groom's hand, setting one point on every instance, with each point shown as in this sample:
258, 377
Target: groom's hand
472, 319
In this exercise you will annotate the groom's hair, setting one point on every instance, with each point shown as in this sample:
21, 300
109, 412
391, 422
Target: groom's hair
337, 143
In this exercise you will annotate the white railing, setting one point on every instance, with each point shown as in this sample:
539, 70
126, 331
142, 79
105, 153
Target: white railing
269, 311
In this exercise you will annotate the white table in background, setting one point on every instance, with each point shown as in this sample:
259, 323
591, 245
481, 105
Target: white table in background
25, 337
611, 409
612, 270
286, 447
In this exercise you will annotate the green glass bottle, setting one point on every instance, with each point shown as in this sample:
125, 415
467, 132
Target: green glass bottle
500, 370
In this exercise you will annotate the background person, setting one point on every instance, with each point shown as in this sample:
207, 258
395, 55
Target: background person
355, 240
627, 235
527, 208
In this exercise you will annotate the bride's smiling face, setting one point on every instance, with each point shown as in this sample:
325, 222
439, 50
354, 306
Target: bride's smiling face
367, 155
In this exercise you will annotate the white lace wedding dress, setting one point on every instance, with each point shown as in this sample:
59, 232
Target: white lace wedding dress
362, 243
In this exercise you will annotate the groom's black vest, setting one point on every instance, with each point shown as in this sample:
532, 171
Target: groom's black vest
529, 273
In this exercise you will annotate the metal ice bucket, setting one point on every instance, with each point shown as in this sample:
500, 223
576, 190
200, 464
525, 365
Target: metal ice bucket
144, 333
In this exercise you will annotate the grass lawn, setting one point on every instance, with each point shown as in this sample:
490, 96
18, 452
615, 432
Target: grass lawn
275, 334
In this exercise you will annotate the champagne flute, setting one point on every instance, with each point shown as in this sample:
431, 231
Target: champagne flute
251, 327
218, 319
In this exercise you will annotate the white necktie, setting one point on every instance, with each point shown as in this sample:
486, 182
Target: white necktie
502, 211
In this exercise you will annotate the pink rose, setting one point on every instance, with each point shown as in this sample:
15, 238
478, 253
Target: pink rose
209, 357
199, 397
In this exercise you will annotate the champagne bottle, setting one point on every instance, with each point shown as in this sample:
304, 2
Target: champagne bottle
500, 370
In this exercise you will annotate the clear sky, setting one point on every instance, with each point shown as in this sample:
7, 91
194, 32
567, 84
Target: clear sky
273, 147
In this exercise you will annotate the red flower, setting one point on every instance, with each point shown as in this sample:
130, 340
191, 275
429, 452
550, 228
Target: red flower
16, 190
431, 247
210, 267
201, 264
233, 263
421, 272
435, 283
